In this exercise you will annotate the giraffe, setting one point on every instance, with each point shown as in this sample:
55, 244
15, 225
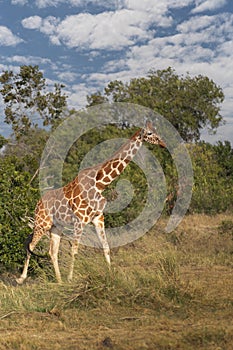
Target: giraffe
81, 202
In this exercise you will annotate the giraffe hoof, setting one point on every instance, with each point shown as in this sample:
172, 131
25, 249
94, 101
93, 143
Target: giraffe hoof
69, 279
20, 280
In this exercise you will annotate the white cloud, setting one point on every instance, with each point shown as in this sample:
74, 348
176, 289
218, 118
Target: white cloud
47, 26
29, 60
33, 22
19, 2
39, 3
131, 22
149, 5
47, 3
207, 29
208, 5
179, 3
196, 23
7, 38
107, 30
226, 49
75, 3
66, 77
186, 51
77, 96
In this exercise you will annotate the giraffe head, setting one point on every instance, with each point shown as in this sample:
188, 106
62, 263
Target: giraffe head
149, 134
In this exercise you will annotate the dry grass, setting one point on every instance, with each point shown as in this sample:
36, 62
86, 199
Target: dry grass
165, 291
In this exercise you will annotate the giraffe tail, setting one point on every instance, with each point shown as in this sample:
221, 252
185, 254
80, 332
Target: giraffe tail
27, 247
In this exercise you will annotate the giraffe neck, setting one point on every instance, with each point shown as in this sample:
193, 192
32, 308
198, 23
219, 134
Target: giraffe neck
113, 167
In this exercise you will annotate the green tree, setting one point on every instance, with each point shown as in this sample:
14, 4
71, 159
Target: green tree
28, 149
3, 141
190, 104
27, 100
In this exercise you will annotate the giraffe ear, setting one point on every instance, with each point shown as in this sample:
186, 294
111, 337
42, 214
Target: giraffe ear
149, 124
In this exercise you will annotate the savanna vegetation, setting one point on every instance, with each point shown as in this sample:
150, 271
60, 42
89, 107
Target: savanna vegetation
165, 291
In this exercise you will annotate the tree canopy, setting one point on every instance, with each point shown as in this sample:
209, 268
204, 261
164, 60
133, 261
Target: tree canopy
28, 100
190, 104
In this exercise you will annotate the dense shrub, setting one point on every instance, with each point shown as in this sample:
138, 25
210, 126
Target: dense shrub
213, 184
18, 200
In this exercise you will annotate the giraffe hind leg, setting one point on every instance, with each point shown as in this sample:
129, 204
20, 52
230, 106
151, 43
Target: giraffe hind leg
30, 244
73, 252
78, 229
27, 246
23, 276
98, 222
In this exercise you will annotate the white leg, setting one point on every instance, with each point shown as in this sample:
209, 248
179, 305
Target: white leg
78, 228
53, 252
32, 241
23, 276
73, 252
99, 226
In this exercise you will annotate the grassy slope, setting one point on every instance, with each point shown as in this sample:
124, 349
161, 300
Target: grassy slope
165, 291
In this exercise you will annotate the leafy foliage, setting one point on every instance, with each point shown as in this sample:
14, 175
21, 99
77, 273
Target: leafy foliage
28, 149
27, 101
190, 104
213, 183
18, 199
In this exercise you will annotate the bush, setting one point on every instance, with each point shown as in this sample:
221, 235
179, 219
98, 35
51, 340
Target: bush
18, 199
213, 190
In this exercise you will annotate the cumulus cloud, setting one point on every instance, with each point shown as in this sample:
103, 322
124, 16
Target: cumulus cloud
107, 30
216, 28
77, 95
47, 26
208, 5
179, 3
65, 76
111, 4
110, 30
29, 60
33, 22
7, 38
202, 44
131, 22
196, 23
41, 4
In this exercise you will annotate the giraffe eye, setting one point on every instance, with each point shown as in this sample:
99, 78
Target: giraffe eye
149, 133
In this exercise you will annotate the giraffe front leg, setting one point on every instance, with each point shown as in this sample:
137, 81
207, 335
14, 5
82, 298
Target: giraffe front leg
53, 252
98, 222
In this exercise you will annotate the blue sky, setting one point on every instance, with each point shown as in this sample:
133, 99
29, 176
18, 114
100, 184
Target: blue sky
84, 44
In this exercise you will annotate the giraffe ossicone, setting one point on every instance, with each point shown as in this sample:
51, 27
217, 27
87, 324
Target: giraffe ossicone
81, 202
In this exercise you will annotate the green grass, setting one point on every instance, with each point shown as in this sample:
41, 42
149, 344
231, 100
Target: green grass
163, 292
